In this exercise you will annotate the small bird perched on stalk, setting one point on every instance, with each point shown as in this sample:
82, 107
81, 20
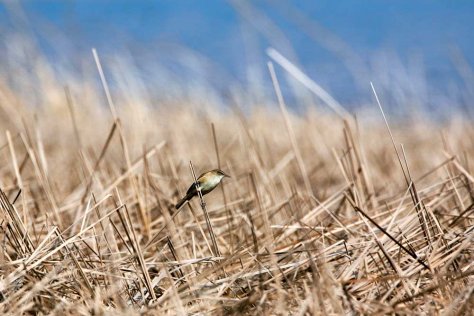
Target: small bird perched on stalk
207, 182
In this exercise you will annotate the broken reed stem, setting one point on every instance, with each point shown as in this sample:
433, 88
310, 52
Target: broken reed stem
215, 251
76, 263
110, 101
20, 229
289, 128
123, 141
70, 105
308, 83
411, 253
409, 183
130, 232
97, 162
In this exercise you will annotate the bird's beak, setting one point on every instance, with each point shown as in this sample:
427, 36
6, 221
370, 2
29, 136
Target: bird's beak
226, 175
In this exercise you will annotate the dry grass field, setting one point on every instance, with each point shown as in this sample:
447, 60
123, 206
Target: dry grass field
322, 215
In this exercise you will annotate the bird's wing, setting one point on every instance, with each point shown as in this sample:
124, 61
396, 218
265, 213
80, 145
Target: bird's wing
200, 179
192, 189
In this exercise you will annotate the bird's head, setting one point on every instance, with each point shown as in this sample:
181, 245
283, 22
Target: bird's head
220, 173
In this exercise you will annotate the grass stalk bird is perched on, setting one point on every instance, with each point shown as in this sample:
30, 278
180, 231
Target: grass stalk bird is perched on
207, 182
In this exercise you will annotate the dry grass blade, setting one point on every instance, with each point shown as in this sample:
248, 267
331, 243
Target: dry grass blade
307, 82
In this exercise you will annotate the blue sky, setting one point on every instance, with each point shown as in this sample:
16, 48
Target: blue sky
230, 39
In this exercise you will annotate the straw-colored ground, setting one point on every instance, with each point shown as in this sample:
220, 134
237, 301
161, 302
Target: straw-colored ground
320, 216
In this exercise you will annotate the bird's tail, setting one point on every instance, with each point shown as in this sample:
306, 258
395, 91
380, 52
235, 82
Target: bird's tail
183, 200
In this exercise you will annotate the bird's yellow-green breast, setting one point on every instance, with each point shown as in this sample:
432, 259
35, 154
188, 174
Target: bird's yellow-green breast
209, 180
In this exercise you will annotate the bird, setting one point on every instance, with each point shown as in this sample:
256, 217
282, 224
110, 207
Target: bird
207, 182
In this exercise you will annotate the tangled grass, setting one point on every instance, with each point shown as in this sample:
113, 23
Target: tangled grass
322, 215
